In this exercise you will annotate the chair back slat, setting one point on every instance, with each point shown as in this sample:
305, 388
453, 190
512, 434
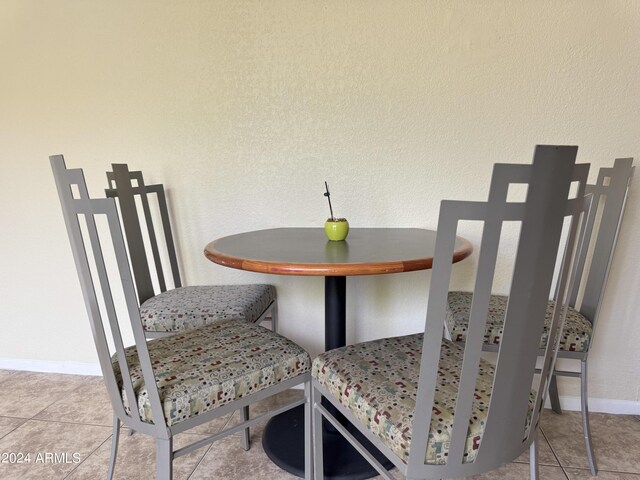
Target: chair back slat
577, 210
126, 186
500, 211
158, 189
146, 211
603, 225
135, 241
489, 244
540, 238
541, 216
90, 209
586, 231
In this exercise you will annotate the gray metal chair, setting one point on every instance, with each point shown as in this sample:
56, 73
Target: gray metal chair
596, 249
165, 386
165, 311
432, 406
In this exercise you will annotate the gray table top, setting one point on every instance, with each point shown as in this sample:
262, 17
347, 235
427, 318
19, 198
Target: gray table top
306, 251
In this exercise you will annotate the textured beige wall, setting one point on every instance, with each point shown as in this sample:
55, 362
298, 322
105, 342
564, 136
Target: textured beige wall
243, 109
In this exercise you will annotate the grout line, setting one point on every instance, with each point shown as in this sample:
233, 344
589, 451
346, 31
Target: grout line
211, 445
564, 467
635, 474
233, 414
62, 397
14, 428
14, 417
48, 420
200, 461
88, 456
564, 471
544, 435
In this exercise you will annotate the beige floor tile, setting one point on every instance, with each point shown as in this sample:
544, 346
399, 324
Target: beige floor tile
136, 459
545, 454
8, 424
579, 474
54, 397
32, 392
4, 374
209, 428
263, 407
226, 459
278, 400
88, 403
616, 439
71, 442
269, 404
520, 471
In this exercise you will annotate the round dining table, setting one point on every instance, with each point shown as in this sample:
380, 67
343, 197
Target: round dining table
307, 252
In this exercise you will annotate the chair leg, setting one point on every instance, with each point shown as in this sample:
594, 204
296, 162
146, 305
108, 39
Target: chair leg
553, 394
308, 433
164, 459
586, 429
446, 334
274, 316
533, 458
114, 447
244, 416
316, 428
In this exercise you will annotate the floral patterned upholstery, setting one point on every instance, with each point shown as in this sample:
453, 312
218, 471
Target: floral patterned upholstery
205, 368
191, 307
575, 336
377, 381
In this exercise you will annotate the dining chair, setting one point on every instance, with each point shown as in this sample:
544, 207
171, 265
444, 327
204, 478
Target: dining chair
596, 249
434, 407
169, 385
164, 310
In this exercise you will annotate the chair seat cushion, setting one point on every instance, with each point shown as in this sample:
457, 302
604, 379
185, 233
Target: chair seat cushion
576, 334
191, 307
378, 381
205, 368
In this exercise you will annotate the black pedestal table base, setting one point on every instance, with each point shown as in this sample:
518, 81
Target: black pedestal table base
283, 438
283, 442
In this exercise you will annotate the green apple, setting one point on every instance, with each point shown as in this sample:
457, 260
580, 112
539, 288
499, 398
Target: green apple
336, 229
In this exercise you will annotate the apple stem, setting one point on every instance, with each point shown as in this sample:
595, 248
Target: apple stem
328, 195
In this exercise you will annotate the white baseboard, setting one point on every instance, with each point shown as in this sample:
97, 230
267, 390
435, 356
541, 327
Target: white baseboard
601, 405
72, 368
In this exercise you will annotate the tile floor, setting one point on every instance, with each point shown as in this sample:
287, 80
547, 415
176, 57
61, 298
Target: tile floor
69, 414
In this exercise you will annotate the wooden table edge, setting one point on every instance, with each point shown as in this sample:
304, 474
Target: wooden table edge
330, 269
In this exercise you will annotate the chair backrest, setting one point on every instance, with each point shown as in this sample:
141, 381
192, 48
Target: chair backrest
547, 212
600, 233
127, 186
99, 282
